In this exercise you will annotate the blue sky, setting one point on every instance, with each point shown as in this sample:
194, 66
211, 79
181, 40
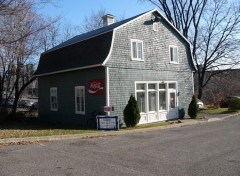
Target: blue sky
74, 11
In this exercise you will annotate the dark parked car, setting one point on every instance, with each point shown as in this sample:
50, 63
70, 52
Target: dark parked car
25, 104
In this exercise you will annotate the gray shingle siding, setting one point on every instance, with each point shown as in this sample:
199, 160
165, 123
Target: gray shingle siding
156, 66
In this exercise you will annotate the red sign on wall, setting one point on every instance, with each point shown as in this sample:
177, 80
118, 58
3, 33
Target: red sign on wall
95, 87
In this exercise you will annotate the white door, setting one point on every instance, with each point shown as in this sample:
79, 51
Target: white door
172, 105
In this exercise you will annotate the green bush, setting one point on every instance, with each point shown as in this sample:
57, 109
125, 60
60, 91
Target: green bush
193, 109
131, 112
234, 104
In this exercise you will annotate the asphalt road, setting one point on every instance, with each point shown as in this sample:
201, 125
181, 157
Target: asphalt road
210, 149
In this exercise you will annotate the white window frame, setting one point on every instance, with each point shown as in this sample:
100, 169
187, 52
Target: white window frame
145, 95
174, 61
81, 111
167, 91
53, 93
132, 54
155, 26
156, 96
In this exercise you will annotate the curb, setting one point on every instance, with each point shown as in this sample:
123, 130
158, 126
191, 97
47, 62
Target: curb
29, 140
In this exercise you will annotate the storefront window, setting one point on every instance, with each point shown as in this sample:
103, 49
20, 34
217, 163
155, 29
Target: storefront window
152, 101
156, 96
141, 101
172, 86
162, 86
162, 100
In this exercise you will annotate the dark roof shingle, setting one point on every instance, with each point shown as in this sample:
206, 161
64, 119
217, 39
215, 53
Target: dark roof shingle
84, 50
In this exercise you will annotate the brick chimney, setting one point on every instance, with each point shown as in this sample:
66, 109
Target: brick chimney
108, 19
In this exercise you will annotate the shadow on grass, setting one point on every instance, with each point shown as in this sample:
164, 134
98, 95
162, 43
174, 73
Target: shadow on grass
21, 122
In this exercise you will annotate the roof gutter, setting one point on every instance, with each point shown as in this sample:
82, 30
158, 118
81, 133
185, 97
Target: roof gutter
69, 70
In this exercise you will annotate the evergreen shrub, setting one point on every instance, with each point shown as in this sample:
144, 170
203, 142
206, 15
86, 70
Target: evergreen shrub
193, 109
131, 112
234, 104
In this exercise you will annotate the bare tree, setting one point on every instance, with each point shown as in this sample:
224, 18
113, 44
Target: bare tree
95, 21
20, 44
213, 29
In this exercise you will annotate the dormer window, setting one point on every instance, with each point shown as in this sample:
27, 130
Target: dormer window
137, 49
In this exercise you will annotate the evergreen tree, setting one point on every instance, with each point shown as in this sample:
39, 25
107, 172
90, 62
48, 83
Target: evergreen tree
193, 108
131, 112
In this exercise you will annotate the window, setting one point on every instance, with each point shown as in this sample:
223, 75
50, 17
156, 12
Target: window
152, 97
155, 26
79, 100
156, 96
173, 54
141, 97
172, 100
172, 86
137, 50
162, 97
53, 99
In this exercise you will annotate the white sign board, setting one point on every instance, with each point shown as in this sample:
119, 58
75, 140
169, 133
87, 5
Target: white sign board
107, 123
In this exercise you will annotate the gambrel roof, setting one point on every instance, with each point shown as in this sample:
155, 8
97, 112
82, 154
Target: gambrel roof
87, 50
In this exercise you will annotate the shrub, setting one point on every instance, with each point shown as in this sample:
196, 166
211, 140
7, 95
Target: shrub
234, 104
181, 113
131, 112
193, 109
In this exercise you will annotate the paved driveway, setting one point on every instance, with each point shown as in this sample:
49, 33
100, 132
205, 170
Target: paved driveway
206, 149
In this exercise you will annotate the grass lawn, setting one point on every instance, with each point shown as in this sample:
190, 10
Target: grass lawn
35, 128
32, 127
217, 111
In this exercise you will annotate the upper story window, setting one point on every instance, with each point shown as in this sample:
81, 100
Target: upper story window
53, 99
79, 100
173, 54
137, 50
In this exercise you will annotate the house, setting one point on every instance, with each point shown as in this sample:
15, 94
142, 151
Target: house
144, 55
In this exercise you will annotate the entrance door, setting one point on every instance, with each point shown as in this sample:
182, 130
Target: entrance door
172, 103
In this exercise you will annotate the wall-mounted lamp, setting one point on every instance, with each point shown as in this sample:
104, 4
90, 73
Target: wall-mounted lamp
178, 94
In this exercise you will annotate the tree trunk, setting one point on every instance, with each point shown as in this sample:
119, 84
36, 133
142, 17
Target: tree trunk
200, 91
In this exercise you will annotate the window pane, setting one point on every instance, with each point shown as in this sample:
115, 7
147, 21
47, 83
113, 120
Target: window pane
175, 59
82, 103
79, 96
162, 86
134, 49
141, 101
152, 101
139, 48
140, 86
151, 86
171, 54
172, 100
162, 100
78, 100
172, 86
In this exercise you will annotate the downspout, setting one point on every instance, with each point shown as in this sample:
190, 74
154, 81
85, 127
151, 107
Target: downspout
107, 87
